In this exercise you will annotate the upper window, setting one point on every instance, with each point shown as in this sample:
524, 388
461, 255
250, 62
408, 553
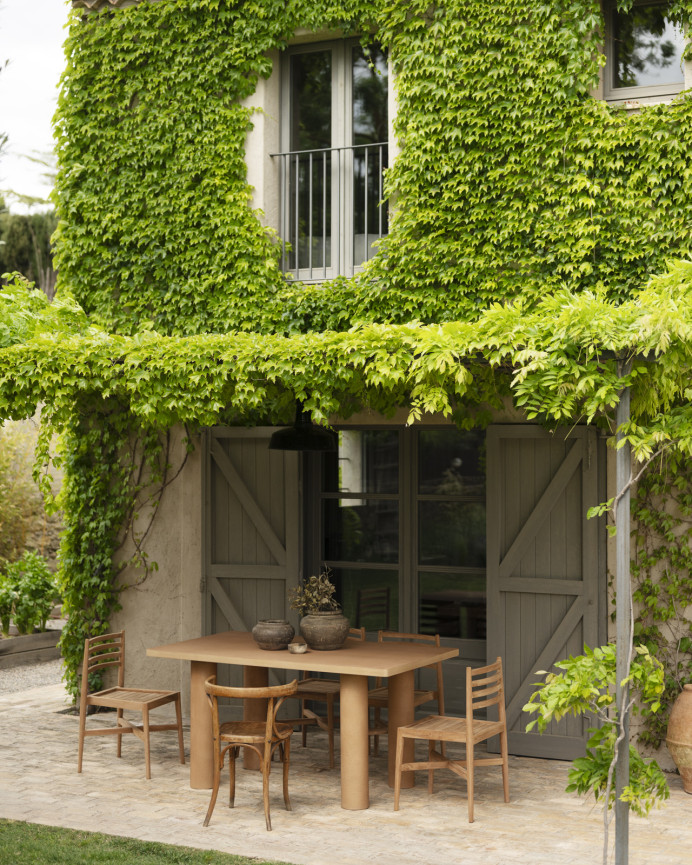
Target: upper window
334, 153
644, 52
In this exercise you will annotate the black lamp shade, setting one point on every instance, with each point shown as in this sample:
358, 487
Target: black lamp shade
304, 435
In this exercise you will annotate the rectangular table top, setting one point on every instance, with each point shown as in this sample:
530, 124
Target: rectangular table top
357, 658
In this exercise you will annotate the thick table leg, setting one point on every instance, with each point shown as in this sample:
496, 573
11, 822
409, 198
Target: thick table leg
401, 712
354, 742
254, 710
201, 744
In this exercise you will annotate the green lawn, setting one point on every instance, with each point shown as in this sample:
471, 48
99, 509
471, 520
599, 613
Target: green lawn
31, 844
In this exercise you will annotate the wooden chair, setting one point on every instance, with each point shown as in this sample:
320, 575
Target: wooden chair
321, 690
373, 603
484, 687
109, 651
262, 737
378, 697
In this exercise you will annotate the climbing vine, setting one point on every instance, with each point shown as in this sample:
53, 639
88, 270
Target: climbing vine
534, 228
662, 588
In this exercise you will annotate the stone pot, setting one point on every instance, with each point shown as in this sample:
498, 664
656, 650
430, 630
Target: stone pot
679, 737
325, 631
273, 634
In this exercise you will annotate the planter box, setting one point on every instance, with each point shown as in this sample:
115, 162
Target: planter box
29, 649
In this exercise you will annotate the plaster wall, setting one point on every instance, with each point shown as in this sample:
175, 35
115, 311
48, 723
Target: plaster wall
263, 140
661, 755
167, 606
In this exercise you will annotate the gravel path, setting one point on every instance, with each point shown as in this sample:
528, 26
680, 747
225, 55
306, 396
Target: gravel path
28, 676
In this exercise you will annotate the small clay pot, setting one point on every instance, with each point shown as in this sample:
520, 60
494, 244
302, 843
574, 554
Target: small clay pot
325, 631
273, 634
679, 736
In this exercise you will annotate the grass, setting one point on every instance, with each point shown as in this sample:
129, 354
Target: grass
32, 844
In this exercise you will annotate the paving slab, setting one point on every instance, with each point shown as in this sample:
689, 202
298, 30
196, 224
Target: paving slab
542, 825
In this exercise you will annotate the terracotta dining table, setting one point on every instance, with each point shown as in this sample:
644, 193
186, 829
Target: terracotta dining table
354, 663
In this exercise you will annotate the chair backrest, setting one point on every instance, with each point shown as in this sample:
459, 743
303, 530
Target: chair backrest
485, 687
433, 639
372, 603
273, 694
108, 650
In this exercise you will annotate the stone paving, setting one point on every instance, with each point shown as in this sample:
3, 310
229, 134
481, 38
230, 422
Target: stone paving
542, 824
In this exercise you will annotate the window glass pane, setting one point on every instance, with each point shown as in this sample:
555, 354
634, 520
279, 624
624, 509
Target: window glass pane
363, 531
355, 588
309, 205
370, 127
311, 100
310, 210
367, 461
370, 82
647, 47
451, 462
452, 605
451, 534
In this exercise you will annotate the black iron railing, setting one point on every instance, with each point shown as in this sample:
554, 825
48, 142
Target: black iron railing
332, 208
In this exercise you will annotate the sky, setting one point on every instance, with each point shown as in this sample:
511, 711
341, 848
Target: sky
31, 39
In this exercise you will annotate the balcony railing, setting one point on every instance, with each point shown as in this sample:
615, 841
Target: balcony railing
332, 209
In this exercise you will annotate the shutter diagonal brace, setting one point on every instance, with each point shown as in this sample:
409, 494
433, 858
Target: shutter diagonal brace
248, 503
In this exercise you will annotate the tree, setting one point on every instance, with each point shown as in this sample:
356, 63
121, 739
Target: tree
25, 247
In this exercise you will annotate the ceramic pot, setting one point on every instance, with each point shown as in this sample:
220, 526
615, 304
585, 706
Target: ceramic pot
679, 737
325, 631
273, 634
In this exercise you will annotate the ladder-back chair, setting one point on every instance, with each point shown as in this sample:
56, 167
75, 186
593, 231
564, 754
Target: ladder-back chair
373, 604
378, 697
484, 688
109, 651
321, 690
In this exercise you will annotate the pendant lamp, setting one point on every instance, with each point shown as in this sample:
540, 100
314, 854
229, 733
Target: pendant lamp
304, 435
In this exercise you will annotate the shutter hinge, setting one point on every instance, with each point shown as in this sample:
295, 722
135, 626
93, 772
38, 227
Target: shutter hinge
202, 584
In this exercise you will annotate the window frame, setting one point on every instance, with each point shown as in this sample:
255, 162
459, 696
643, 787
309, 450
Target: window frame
640, 93
342, 170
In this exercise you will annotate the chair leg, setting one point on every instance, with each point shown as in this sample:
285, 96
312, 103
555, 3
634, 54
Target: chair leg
232, 756
469, 778
285, 751
505, 764
215, 789
330, 728
266, 769
431, 774
179, 719
147, 748
118, 716
397, 770
376, 739
304, 726
82, 727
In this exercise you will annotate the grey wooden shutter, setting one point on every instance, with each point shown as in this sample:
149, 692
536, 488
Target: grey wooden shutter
251, 529
546, 568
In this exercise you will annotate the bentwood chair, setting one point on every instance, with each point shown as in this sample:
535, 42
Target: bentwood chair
109, 651
378, 697
321, 690
262, 737
484, 688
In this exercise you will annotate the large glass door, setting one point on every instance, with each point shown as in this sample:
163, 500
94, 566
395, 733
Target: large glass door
398, 515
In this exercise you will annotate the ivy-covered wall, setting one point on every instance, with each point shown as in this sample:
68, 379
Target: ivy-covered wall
512, 179
533, 229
